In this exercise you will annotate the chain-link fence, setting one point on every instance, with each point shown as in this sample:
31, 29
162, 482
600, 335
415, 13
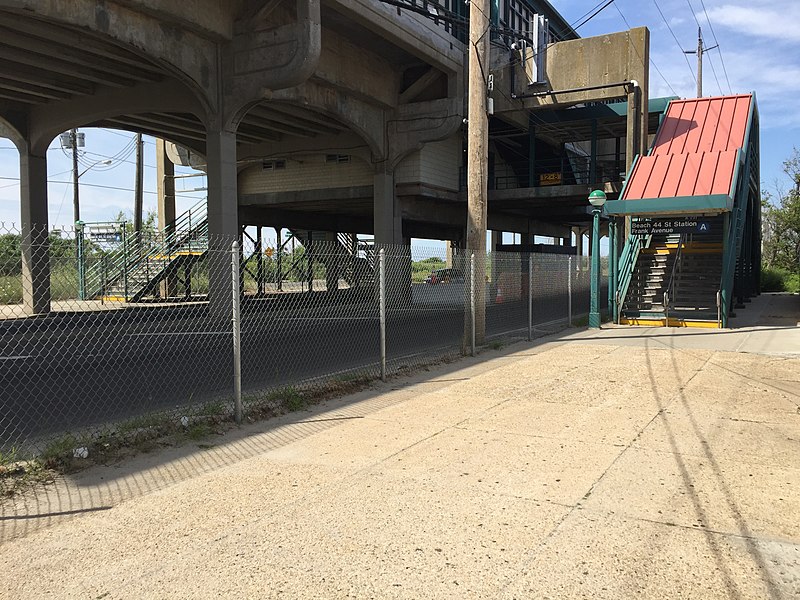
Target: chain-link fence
102, 343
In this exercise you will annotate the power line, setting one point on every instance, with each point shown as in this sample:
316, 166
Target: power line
652, 62
658, 8
719, 48
593, 15
95, 185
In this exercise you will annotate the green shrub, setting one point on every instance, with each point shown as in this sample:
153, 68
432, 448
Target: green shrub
773, 279
777, 279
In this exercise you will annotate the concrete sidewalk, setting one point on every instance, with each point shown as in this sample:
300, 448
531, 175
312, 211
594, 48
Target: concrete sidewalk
580, 467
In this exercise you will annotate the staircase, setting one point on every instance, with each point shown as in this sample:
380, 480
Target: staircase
135, 272
354, 259
675, 281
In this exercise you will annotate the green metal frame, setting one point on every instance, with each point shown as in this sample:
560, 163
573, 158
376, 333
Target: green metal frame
683, 205
732, 241
189, 231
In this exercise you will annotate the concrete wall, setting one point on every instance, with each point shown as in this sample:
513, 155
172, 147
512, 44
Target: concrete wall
436, 164
310, 172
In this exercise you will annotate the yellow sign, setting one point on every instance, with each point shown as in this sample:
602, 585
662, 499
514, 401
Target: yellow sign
550, 179
269, 252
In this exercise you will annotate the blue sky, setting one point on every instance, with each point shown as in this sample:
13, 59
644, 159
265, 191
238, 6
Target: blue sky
759, 42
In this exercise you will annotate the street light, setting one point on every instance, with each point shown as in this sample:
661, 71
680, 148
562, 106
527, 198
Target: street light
597, 199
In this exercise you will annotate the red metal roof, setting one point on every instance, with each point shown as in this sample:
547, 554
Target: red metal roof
695, 150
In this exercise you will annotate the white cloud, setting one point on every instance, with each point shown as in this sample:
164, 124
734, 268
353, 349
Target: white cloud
775, 21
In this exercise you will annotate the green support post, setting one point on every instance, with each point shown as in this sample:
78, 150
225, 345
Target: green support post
81, 260
612, 266
125, 258
597, 199
724, 292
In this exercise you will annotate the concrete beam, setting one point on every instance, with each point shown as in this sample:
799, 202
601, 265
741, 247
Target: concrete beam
299, 197
268, 216
278, 58
365, 119
412, 33
416, 124
581, 63
184, 50
47, 121
419, 86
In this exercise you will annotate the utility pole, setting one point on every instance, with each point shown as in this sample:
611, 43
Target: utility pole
139, 186
478, 157
700, 50
76, 204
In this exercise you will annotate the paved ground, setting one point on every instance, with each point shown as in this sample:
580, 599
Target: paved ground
596, 465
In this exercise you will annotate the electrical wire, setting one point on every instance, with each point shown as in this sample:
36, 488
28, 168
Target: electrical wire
593, 15
719, 48
710, 62
658, 8
652, 62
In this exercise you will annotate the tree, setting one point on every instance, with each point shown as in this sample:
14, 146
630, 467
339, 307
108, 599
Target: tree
781, 220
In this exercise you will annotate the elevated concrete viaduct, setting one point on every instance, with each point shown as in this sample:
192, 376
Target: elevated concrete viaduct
337, 115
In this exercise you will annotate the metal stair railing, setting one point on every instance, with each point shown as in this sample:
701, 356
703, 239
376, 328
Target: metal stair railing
627, 265
734, 240
669, 293
188, 233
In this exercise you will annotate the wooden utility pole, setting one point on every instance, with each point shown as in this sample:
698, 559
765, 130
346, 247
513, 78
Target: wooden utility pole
139, 186
478, 157
700, 50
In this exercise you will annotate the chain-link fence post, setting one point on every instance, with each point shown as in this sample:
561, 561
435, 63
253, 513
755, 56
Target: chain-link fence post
472, 302
382, 308
237, 332
569, 291
530, 296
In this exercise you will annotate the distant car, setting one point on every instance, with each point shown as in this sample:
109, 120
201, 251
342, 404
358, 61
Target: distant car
445, 276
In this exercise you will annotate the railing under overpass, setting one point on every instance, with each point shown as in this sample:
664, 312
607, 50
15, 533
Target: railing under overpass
91, 375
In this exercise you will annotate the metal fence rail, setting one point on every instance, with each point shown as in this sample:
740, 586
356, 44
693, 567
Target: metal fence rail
91, 370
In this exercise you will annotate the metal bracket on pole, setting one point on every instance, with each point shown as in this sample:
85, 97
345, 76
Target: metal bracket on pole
237, 333
472, 302
530, 296
382, 308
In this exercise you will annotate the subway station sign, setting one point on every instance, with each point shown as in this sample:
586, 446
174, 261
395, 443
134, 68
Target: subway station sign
666, 226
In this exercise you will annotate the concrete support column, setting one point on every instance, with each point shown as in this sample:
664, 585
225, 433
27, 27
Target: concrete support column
35, 242
165, 186
333, 258
223, 218
448, 257
387, 217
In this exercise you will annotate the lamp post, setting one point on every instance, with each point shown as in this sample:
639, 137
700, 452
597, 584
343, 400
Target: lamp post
597, 199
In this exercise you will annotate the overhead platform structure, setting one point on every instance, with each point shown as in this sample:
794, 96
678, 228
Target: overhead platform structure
694, 203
